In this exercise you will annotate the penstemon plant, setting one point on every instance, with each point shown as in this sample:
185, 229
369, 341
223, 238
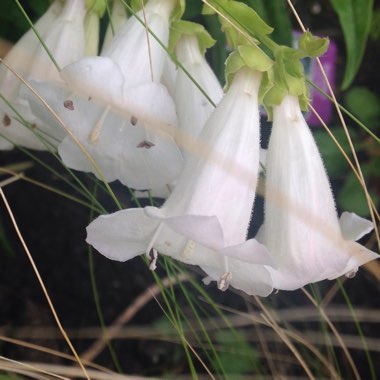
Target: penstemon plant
150, 113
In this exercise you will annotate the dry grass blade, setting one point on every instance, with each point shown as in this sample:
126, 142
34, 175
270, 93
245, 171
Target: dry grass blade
52, 352
64, 372
39, 278
336, 333
10, 180
341, 118
360, 179
140, 301
30, 367
273, 324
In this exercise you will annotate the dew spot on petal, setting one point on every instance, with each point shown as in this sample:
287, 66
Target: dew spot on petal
145, 144
6, 120
69, 105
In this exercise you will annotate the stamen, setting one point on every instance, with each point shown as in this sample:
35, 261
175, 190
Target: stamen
224, 281
95, 133
153, 255
151, 252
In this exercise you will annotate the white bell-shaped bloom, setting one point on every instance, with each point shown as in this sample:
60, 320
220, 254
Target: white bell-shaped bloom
122, 117
118, 20
192, 105
205, 220
62, 31
301, 230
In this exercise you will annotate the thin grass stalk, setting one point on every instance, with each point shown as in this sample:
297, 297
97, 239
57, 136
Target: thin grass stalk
39, 278
358, 327
336, 333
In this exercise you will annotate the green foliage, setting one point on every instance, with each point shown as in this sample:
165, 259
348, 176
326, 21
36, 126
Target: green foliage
355, 18
375, 26
236, 354
274, 12
10, 376
5, 245
12, 23
336, 164
364, 104
181, 27
352, 197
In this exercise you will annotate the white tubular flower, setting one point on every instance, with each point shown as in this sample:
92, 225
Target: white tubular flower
301, 229
118, 19
193, 107
205, 220
63, 34
124, 120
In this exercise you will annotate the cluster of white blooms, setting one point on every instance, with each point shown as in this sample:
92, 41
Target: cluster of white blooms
171, 130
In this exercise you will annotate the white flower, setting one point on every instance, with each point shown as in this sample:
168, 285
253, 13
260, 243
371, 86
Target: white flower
192, 106
123, 118
205, 220
301, 228
118, 20
62, 31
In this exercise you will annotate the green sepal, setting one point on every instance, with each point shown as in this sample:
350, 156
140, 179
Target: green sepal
97, 6
235, 37
304, 102
246, 56
255, 58
240, 16
181, 27
179, 10
313, 46
91, 31
176, 14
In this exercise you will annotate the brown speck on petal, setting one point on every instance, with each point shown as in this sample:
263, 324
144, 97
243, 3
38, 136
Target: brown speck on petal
89, 98
69, 105
6, 120
145, 144
33, 126
133, 120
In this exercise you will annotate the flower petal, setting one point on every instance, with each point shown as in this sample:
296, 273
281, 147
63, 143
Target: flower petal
359, 255
250, 278
98, 77
205, 230
250, 251
152, 104
123, 235
353, 226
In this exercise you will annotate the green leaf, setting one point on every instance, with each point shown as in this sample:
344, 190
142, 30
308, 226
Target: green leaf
355, 18
275, 13
333, 159
240, 16
236, 354
364, 104
352, 198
